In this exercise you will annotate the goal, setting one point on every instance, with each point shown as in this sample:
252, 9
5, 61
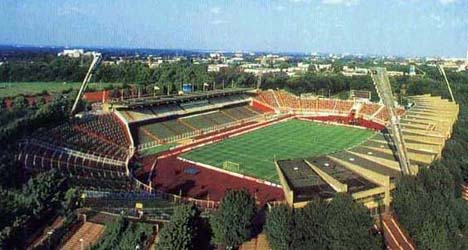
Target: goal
231, 166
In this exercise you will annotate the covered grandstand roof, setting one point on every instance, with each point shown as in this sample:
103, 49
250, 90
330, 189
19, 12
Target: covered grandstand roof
157, 100
354, 182
305, 183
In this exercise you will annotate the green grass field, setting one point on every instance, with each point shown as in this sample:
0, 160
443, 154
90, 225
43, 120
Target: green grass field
11, 89
256, 151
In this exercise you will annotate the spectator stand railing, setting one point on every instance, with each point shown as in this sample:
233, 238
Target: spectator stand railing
93, 157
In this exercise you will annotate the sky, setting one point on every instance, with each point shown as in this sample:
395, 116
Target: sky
383, 27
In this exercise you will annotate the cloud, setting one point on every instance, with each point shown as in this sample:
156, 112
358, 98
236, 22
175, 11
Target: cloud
343, 2
215, 10
445, 2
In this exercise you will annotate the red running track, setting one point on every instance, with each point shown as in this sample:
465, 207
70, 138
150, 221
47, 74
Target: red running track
169, 176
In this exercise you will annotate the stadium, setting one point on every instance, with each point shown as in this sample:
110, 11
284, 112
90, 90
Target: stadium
282, 148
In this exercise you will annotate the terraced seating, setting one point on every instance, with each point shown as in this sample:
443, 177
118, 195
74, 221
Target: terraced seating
369, 109
268, 98
100, 135
219, 117
309, 103
38, 155
157, 129
326, 104
185, 125
199, 121
107, 126
288, 100
177, 127
240, 112
343, 106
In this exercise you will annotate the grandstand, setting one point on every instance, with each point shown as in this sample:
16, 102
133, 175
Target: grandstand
90, 149
186, 117
175, 129
309, 156
285, 102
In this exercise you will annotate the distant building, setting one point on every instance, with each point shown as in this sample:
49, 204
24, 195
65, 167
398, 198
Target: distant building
234, 60
215, 55
259, 71
395, 73
349, 71
75, 53
412, 70
217, 67
251, 66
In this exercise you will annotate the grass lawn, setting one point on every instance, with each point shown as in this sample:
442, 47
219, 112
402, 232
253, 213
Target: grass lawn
256, 151
12, 89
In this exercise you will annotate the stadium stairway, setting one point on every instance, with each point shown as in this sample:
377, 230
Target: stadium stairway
394, 236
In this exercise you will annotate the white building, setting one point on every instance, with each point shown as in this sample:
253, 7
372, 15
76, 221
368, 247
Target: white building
217, 67
71, 53
349, 71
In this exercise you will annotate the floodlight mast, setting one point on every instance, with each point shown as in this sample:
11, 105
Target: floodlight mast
92, 69
442, 72
384, 90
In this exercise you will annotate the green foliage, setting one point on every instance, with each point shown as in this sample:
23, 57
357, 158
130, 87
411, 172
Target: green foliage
319, 84
18, 123
310, 225
339, 224
183, 231
123, 234
71, 201
47, 69
429, 209
348, 224
21, 210
279, 227
232, 223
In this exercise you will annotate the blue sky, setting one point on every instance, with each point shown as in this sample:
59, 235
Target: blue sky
391, 27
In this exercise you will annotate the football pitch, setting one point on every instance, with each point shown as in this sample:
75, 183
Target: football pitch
256, 151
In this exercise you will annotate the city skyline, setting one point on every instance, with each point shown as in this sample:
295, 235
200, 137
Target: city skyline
399, 28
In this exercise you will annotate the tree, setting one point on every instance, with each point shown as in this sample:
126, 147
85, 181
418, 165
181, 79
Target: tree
427, 207
279, 227
310, 222
348, 225
182, 231
232, 223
